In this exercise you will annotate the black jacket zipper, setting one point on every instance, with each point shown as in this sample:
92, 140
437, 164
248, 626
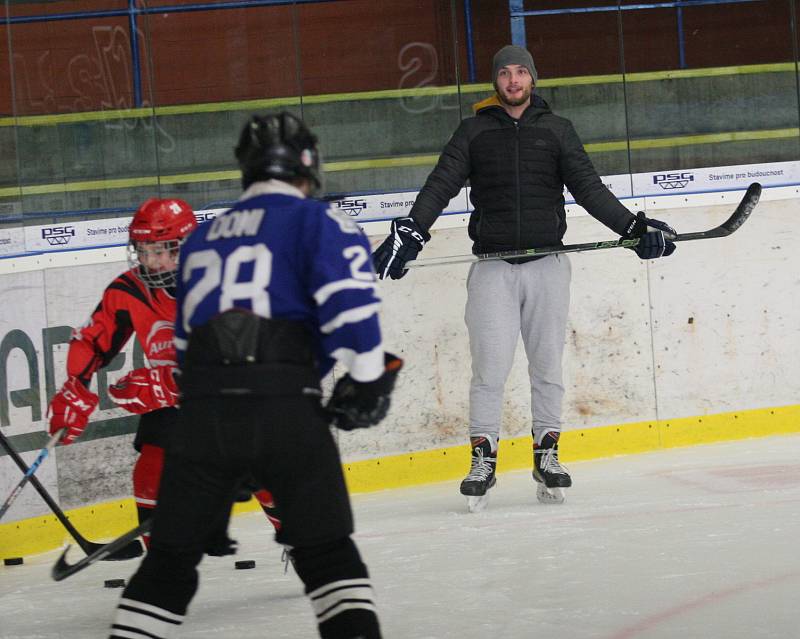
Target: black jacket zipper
519, 190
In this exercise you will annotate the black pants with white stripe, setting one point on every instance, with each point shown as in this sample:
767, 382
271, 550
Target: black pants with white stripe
338, 585
285, 444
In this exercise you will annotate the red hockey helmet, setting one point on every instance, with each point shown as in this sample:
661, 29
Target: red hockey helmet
154, 237
157, 220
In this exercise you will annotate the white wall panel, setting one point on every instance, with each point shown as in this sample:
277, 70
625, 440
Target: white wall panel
727, 318
714, 328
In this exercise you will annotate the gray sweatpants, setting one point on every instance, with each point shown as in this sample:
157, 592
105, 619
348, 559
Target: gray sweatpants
503, 301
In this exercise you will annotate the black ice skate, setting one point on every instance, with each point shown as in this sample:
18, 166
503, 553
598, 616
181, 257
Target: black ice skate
552, 478
481, 474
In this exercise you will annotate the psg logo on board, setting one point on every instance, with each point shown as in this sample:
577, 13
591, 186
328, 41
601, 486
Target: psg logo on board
672, 181
352, 207
58, 235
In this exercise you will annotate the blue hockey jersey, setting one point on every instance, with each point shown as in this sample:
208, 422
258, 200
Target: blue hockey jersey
280, 255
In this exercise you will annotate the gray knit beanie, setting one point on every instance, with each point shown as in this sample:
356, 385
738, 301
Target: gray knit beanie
512, 54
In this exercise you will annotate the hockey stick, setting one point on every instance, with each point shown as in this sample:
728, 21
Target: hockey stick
27, 476
62, 569
133, 550
737, 218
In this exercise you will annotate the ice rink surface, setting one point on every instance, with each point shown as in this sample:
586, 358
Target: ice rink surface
699, 542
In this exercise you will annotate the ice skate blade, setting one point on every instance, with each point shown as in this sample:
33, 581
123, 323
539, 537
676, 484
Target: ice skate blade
547, 495
478, 503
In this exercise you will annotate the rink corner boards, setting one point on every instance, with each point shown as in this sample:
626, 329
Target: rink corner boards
105, 521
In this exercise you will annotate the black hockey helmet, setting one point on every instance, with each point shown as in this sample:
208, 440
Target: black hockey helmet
278, 147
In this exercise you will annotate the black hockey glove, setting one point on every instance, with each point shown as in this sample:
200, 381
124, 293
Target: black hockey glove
363, 404
404, 242
654, 237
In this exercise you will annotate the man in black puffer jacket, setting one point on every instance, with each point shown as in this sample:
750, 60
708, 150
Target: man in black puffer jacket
518, 156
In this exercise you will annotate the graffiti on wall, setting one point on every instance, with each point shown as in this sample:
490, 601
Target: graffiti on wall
419, 62
100, 79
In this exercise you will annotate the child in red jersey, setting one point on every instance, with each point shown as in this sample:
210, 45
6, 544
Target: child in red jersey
139, 301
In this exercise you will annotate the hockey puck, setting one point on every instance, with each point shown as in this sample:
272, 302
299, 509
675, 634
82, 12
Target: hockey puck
13, 561
244, 565
114, 583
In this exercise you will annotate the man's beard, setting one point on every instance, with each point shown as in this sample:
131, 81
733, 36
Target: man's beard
514, 102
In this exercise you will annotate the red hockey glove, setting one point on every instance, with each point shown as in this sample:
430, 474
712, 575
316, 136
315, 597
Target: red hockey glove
146, 389
70, 408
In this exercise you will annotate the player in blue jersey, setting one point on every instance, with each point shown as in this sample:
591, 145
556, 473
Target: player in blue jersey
271, 295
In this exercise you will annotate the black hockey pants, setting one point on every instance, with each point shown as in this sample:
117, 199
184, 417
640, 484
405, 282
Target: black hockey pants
285, 444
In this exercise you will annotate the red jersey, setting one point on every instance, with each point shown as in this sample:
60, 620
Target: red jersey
128, 306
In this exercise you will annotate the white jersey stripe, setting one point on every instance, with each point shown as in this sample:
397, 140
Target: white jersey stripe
350, 316
161, 362
324, 293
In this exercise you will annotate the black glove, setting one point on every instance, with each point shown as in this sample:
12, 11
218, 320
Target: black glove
363, 404
654, 237
404, 242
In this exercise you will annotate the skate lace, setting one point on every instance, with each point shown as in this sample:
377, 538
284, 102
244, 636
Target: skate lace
550, 463
481, 467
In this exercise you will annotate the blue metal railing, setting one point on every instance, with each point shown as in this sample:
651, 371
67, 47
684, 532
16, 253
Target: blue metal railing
518, 14
470, 46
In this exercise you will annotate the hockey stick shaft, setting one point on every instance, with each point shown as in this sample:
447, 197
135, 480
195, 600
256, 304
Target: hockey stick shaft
30, 472
537, 252
62, 569
739, 216
87, 546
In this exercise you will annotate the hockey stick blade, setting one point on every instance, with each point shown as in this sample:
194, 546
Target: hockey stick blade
62, 569
739, 217
131, 551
